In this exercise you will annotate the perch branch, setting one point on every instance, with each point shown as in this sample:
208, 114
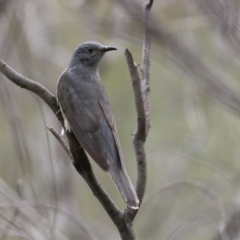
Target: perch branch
81, 161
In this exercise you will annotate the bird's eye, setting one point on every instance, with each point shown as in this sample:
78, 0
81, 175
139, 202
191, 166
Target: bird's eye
90, 50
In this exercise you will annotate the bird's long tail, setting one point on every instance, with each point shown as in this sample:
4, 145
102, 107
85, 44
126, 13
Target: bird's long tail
125, 186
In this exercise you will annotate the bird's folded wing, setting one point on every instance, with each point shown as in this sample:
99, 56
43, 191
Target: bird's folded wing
110, 119
84, 119
90, 142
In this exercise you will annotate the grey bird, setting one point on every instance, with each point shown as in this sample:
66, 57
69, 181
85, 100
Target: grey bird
86, 110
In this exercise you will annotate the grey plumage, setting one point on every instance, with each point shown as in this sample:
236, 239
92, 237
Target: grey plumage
85, 106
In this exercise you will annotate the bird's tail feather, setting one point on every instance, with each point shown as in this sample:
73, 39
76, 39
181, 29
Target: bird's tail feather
125, 186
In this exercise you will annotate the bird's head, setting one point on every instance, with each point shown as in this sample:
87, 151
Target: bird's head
89, 53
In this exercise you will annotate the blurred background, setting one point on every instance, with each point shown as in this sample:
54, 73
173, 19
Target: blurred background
193, 145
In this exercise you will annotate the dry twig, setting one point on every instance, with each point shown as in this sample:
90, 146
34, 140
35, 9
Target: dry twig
141, 91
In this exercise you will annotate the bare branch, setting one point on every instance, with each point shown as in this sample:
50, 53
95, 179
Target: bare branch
146, 62
61, 141
138, 96
84, 168
140, 135
30, 85
141, 91
81, 161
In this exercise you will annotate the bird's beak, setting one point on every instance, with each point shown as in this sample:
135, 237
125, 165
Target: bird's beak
106, 49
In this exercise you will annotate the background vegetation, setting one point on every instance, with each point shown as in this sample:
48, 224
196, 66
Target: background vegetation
193, 140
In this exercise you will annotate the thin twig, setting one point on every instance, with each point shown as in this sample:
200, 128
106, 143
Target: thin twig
140, 135
146, 61
212, 82
141, 91
61, 141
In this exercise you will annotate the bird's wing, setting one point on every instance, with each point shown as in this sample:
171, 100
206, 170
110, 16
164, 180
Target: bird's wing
105, 106
92, 122
117, 168
84, 116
